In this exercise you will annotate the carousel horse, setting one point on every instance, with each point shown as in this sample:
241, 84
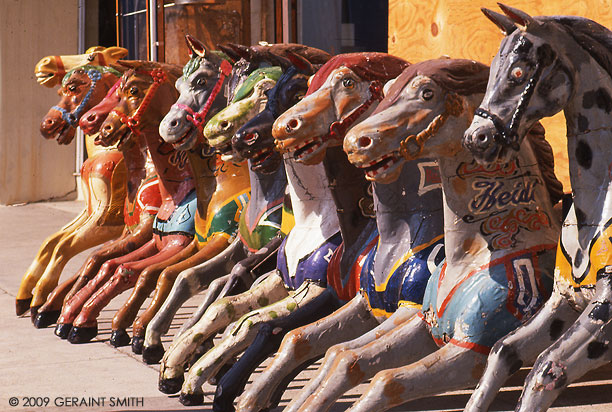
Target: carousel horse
397, 260
259, 221
146, 93
545, 65
222, 191
103, 180
298, 281
142, 202
500, 233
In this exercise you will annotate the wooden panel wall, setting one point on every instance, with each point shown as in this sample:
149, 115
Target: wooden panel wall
421, 30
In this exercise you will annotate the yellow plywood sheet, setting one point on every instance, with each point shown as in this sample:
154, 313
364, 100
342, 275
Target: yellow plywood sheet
421, 30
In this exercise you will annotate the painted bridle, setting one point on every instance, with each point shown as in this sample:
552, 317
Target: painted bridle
506, 133
72, 118
412, 146
132, 122
198, 119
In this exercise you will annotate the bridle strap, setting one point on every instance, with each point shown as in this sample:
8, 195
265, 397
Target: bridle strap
72, 118
133, 121
199, 118
506, 133
412, 146
338, 129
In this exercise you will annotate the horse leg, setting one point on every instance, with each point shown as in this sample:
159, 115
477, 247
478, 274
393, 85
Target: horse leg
583, 347
125, 277
186, 285
88, 235
144, 286
48, 314
399, 317
267, 342
218, 315
302, 346
521, 347
403, 345
450, 368
72, 308
241, 336
40, 262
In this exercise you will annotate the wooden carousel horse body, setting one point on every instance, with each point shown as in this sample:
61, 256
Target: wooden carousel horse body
222, 191
103, 177
300, 277
259, 222
142, 202
146, 93
500, 234
547, 64
399, 250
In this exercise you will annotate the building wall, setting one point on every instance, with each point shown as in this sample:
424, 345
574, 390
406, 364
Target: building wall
32, 168
420, 30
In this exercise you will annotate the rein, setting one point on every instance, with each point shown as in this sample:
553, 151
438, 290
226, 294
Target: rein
199, 118
506, 133
132, 122
338, 129
453, 107
72, 117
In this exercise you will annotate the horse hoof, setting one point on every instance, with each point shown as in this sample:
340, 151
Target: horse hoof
191, 399
46, 319
224, 369
137, 344
34, 312
82, 334
63, 330
152, 354
119, 338
22, 306
171, 386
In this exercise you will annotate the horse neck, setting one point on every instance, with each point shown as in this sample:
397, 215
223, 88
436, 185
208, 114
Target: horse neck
203, 169
267, 190
589, 130
135, 158
490, 212
349, 190
409, 211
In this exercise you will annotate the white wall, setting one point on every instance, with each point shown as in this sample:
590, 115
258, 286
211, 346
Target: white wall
32, 168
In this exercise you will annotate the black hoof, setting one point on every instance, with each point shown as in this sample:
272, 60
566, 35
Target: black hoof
152, 354
137, 344
63, 330
119, 338
191, 399
34, 312
171, 386
80, 334
22, 306
46, 319
224, 369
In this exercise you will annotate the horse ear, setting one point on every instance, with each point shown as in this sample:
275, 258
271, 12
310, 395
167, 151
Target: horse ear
242, 51
521, 19
132, 64
229, 52
115, 53
195, 46
302, 64
277, 60
504, 23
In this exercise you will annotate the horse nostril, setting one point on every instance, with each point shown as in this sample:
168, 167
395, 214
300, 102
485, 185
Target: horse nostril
225, 124
49, 122
174, 123
364, 141
92, 117
250, 138
292, 124
482, 137
107, 129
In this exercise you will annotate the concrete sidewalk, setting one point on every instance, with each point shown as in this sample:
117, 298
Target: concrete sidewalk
37, 365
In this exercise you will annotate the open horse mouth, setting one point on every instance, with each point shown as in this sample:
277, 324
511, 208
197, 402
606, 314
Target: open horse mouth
227, 153
186, 140
43, 78
308, 149
381, 167
266, 161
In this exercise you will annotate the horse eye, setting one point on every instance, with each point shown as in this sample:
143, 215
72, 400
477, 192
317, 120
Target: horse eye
133, 90
427, 94
72, 87
201, 82
348, 83
516, 73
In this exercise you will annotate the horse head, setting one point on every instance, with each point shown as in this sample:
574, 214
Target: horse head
419, 117
50, 70
250, 99
342, 91
146, 93
82, 88
199, 86
530, 78
254, 140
